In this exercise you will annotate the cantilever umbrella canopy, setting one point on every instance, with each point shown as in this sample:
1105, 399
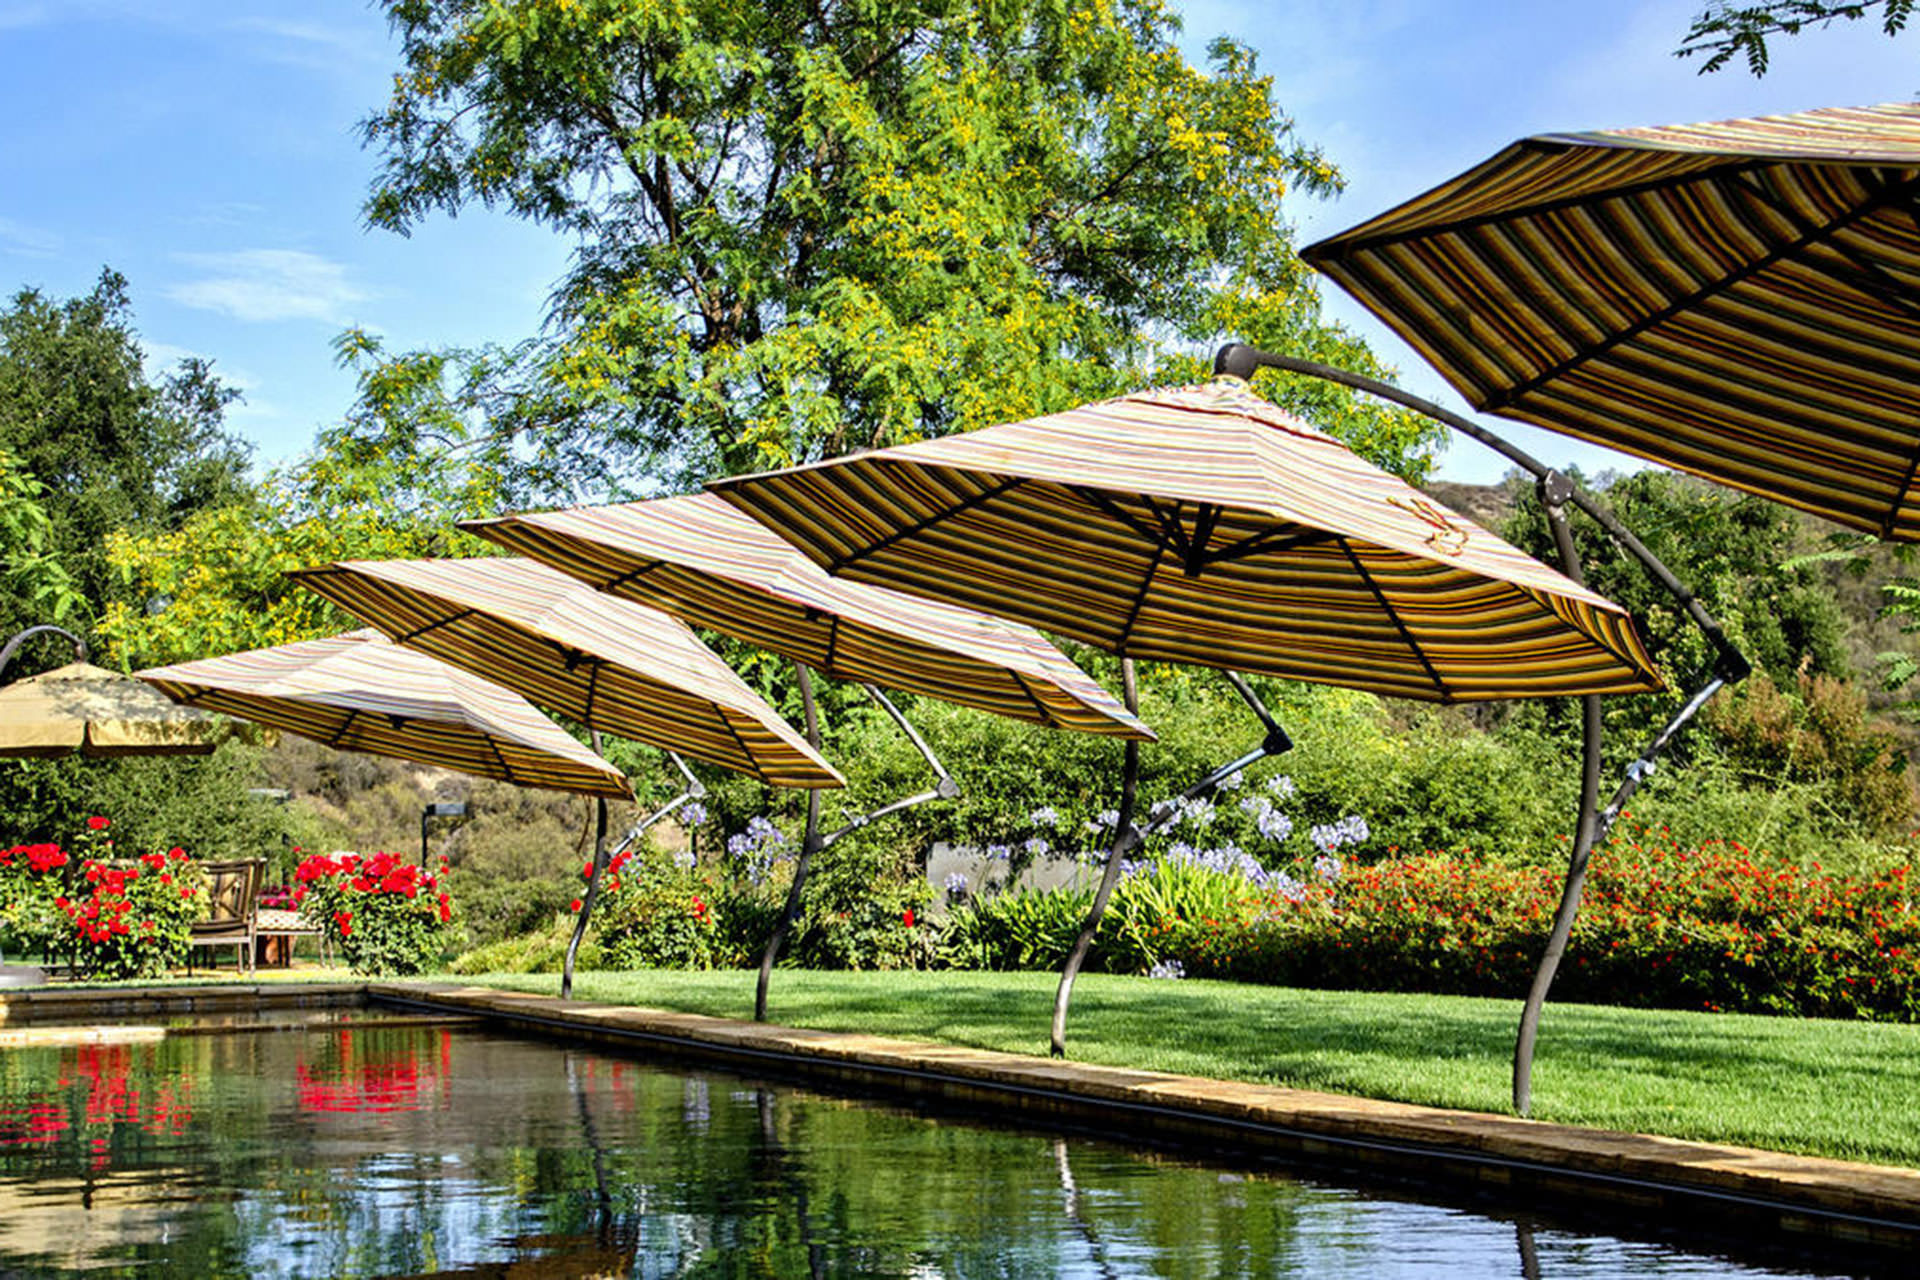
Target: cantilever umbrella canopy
1203, 525
358, 692
697, 558
96, 712
610, 664
1740, 300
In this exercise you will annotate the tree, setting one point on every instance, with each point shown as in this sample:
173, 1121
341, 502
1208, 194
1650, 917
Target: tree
97, 447
1726, 31
357, 495
804, 228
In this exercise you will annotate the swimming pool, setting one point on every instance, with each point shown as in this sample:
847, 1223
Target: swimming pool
379, 1146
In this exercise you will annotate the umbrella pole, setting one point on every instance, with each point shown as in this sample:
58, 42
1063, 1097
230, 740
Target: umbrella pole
808, 843
21, 637
1552, 498
1126, 838
593, 885
944, 788
602, 856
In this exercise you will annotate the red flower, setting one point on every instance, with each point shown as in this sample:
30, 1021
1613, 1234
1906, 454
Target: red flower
97, 824
586, 872
576, 904
906, 917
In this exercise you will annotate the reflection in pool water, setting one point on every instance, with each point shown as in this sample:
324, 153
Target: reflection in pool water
430, 1151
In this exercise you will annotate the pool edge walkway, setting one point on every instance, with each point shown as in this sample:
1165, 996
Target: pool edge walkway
1804, 1198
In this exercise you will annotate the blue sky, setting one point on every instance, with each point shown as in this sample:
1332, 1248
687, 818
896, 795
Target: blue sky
209, 152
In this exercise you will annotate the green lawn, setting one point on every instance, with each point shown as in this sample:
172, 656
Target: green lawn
1846, 1089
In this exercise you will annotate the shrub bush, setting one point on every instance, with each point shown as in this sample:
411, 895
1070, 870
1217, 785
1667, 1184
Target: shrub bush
32, 879
386, 915
136, 917
654, 912
1664, 924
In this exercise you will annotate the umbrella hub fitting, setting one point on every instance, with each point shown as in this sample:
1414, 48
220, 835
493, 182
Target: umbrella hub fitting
946, 788
1555, 488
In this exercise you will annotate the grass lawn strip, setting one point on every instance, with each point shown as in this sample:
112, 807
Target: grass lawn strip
1848, 1090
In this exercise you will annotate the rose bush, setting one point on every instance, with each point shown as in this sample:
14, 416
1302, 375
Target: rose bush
32, 879
385, 915
135, 918
656, 911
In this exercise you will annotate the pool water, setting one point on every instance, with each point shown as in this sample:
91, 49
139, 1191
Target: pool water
353, 1150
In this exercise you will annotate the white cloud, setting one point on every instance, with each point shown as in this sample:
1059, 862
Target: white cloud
258, 285
28, 242
313, 46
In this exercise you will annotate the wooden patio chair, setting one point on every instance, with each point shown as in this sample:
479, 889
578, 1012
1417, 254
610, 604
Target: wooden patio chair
233, 892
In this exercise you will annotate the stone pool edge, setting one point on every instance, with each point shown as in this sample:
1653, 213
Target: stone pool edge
1803, 1201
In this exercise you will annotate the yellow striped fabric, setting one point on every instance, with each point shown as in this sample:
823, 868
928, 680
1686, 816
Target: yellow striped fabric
1740, 300
358, 692
700, 560
609, 664
1203, 525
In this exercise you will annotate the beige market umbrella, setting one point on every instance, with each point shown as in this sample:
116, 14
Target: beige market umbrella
1203, 525
614, 666
359, 692
95, 712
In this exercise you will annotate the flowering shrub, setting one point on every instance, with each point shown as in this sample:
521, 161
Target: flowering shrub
135, 918
1714, 926
32, 878
386, 915
654, 912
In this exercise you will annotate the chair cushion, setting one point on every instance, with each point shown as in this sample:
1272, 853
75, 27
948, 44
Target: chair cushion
275, 920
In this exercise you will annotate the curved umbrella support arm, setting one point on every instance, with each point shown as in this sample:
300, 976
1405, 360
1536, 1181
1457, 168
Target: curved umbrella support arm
1128, 835
21, 637
1557, 490
1240, 360
944, 788
602, 856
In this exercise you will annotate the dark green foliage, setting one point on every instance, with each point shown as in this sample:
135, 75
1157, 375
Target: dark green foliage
805, 228
201, 803
1729, 30
112, 450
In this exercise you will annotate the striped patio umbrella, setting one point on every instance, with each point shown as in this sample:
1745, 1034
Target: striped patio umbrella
697, 558
1740, 300
358, 692
1203, 525
615, 666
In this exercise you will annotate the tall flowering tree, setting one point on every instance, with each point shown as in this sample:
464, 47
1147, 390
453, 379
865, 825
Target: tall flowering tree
803, 228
